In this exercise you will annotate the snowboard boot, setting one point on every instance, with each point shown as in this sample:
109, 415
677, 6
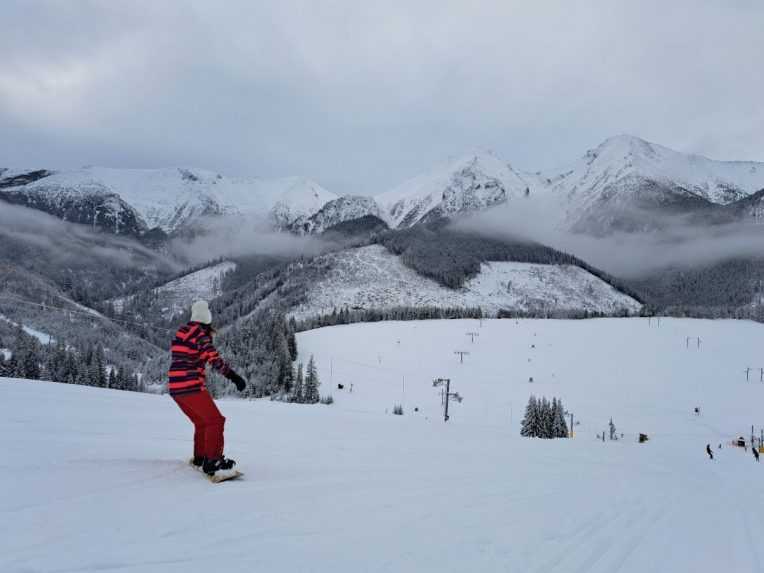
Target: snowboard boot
227, 463
197, 461
211, 466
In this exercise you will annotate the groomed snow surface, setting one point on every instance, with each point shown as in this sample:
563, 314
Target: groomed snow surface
95, 480
373, 278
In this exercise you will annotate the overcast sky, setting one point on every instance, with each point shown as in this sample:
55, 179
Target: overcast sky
361, 95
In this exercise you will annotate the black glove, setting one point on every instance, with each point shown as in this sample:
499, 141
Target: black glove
238, 381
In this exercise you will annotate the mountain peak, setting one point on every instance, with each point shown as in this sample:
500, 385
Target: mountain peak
623, 146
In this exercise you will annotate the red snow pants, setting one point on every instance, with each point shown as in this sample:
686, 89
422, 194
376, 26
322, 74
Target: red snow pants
208, 423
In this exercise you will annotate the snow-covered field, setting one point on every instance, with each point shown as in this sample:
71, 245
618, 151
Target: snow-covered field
95, 479
372, 277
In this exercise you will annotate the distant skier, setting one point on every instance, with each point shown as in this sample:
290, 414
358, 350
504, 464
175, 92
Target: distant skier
709, 452
192, 350
755, 453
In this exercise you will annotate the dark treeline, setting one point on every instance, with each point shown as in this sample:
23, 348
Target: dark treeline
453, 257
729, 289
24, 356
350, 316
570, 314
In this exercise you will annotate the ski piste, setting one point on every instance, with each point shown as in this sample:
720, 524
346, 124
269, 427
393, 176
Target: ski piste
219, 476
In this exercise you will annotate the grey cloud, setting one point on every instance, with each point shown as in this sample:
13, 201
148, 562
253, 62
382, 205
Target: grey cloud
363, 95
225, 237
680, 245
64, 242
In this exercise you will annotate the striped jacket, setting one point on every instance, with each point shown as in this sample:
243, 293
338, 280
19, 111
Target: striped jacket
192, 350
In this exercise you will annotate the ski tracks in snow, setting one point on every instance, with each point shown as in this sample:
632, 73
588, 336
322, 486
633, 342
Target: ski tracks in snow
604, 541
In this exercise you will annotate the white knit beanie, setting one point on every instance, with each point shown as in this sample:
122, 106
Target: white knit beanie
200, 312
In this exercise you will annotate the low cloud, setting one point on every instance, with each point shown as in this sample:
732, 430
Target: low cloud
26, 232
679, 244
236, 236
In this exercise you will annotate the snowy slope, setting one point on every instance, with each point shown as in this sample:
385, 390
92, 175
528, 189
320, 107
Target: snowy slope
467, 184
372, 277
177, 295
43, 337
347, 488
170, 199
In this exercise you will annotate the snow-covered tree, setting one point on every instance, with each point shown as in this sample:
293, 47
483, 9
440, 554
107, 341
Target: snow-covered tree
530, 425
560, 426
298, 391
312, 383
544, 419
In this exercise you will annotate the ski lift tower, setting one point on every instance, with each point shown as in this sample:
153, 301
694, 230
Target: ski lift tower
448, 396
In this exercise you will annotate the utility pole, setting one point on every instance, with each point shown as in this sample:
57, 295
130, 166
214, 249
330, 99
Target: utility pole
448, 396
472, 336
747, 373
462, 354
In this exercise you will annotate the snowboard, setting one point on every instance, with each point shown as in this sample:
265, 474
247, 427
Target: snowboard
219, 476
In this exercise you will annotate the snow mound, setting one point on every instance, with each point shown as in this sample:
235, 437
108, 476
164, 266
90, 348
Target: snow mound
373, 278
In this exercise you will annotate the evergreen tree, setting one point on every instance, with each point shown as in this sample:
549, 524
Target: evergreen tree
560, 428
546, 419
529, 427
298, 394
312, 383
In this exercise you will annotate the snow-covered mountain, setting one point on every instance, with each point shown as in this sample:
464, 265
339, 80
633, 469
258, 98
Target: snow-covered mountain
626, 182
470, 183
336, 211
373, 278
133, 201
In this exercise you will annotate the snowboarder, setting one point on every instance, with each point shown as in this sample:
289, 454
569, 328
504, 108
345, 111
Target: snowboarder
709, 452
192, 350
